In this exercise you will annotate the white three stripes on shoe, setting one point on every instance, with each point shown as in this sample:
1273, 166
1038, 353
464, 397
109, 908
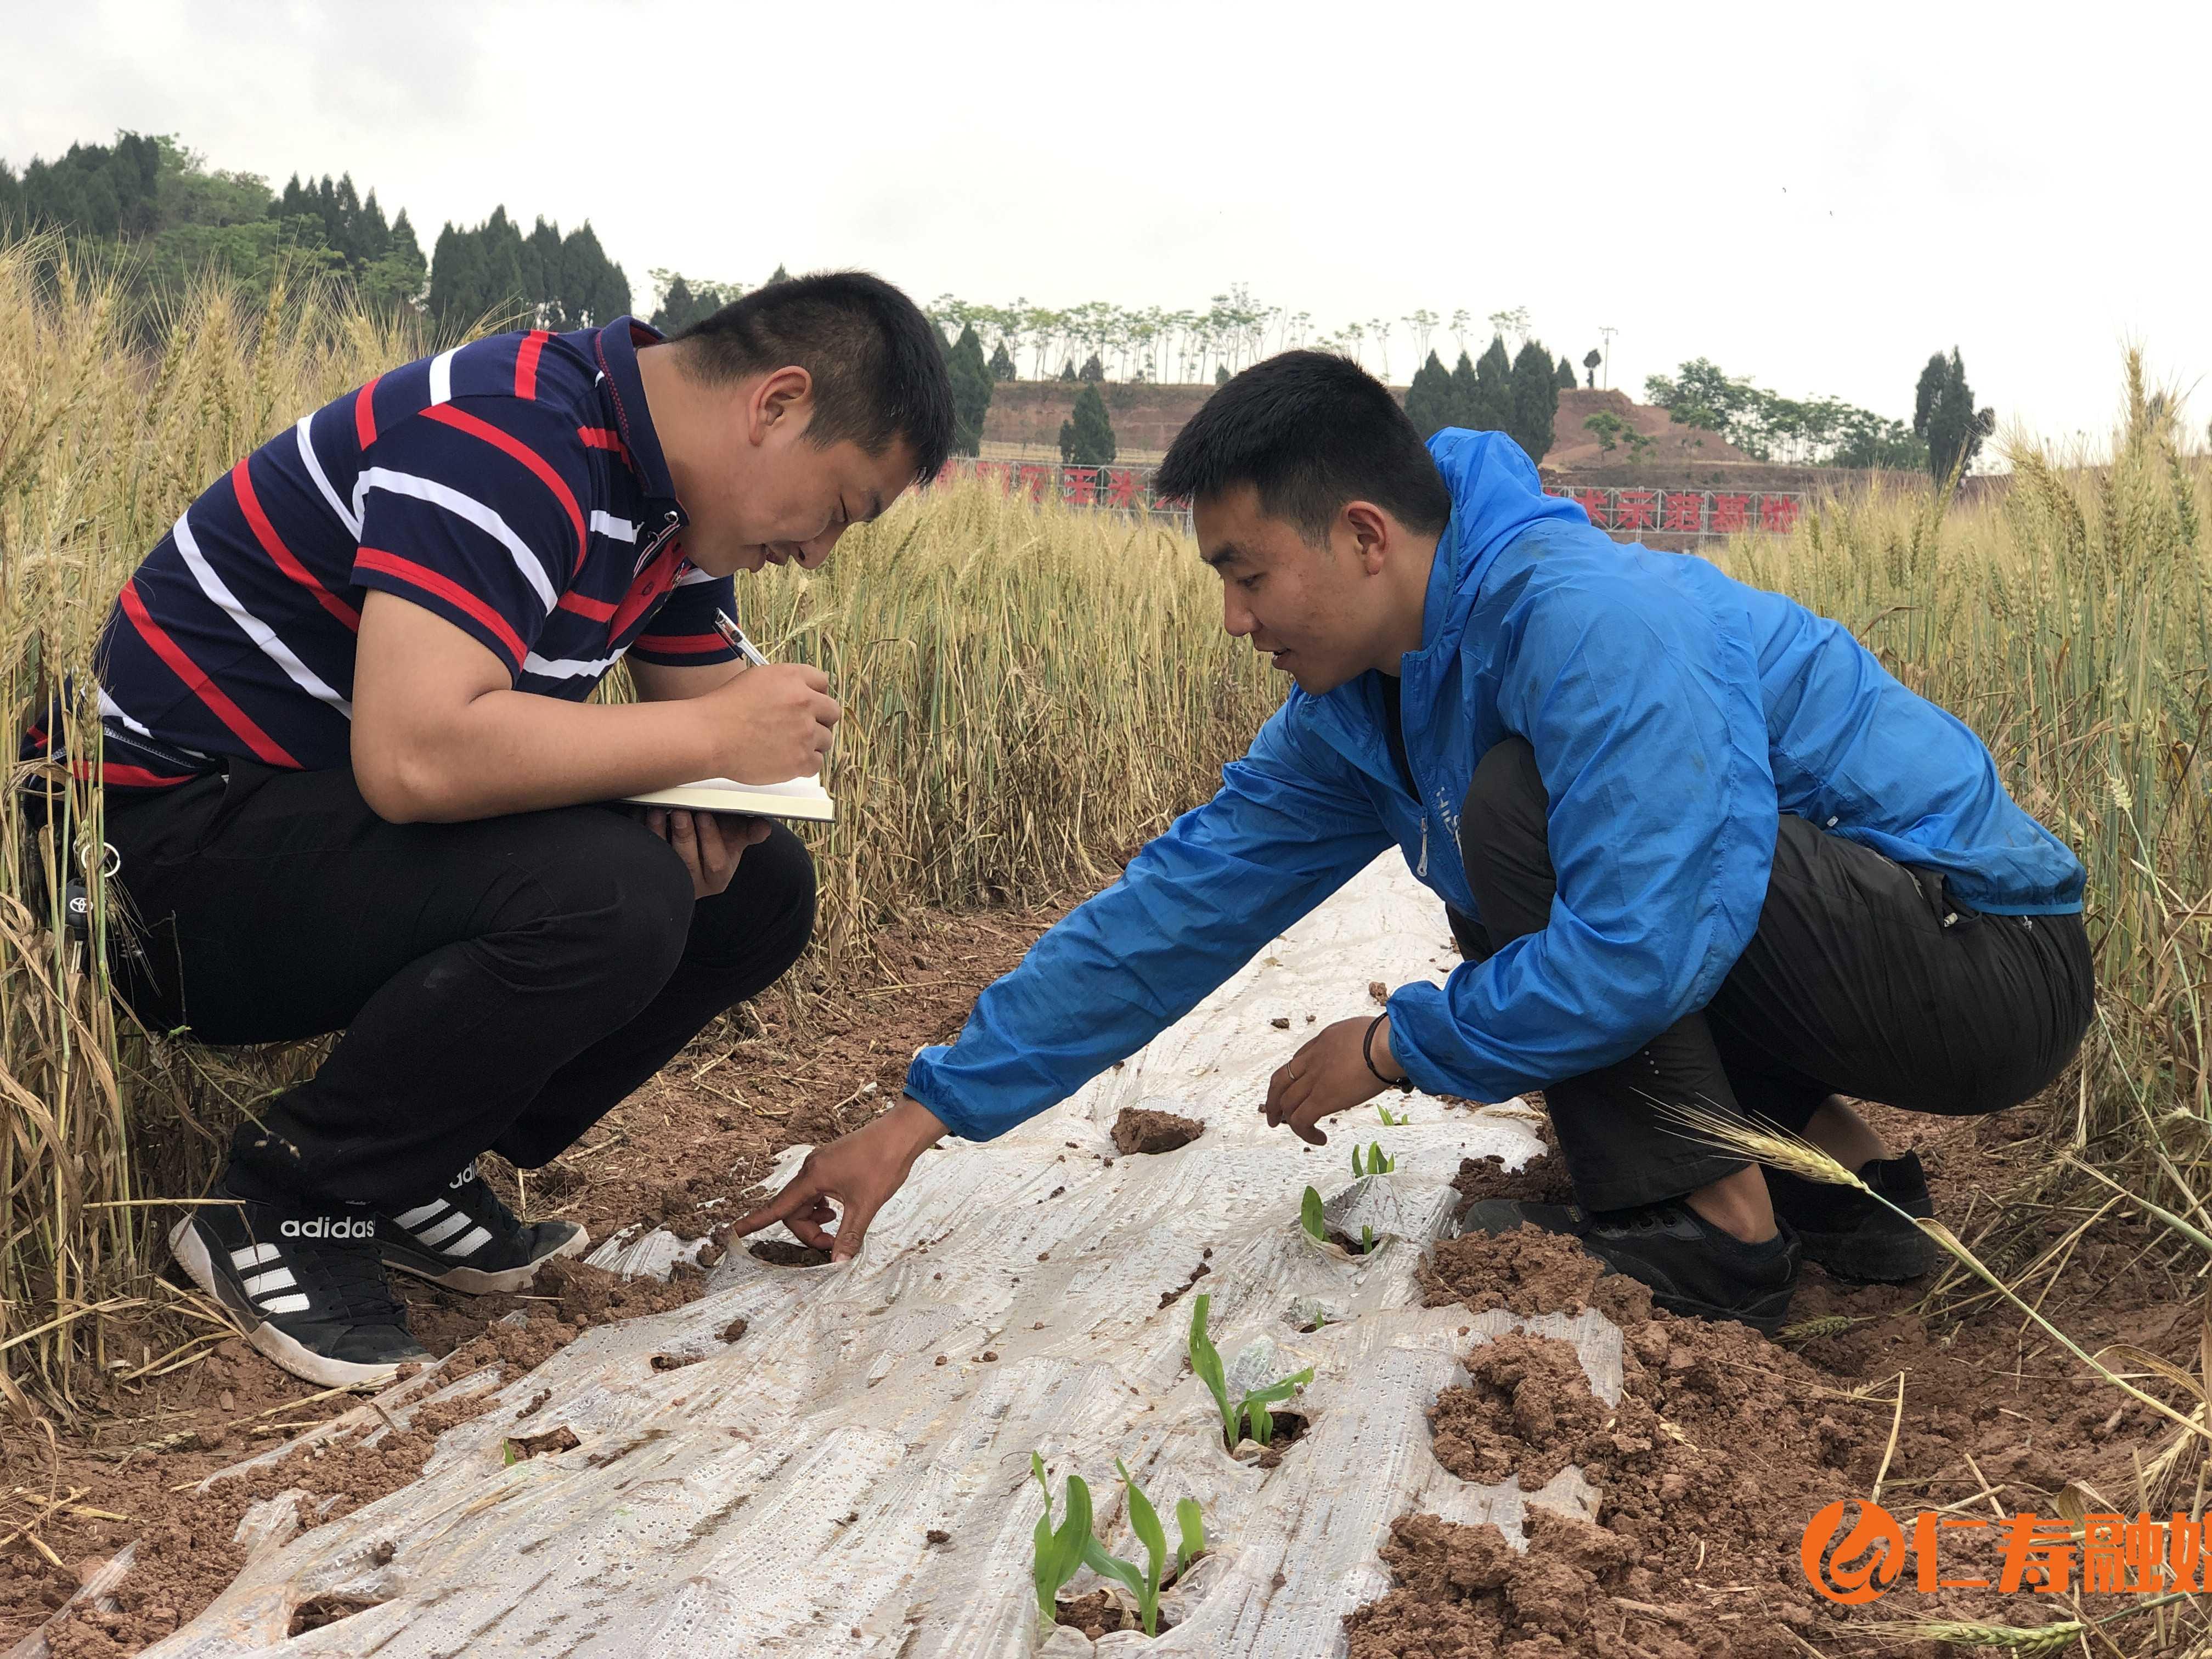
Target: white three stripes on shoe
432, 1232
266, 1291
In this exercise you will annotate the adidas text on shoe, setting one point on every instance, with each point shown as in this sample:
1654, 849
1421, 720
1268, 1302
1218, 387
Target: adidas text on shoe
466, 1240
307, 1289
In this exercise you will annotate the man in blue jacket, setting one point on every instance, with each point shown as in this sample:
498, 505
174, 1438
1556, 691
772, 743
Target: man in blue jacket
1696, 845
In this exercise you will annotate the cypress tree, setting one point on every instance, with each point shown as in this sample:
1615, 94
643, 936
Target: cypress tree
1002, 364
1566, 378
971, 392
1093, 369
1086, 438
1464, 404
677, 307
1943, 413
1535, 400
1428, 398
1494, 389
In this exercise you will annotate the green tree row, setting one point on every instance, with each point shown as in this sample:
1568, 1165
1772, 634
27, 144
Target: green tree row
493, 275
1517, 395
169, 220
1813, 431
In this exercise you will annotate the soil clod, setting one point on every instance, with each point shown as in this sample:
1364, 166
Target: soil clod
1140, 1130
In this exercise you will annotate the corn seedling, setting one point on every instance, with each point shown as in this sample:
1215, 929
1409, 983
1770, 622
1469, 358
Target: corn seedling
1253, 1408
1378, 1163
1190, 1522
1206, 1363
1144, 1521
1366, 1239
1310, 1218
1391, 1120
1059, 1551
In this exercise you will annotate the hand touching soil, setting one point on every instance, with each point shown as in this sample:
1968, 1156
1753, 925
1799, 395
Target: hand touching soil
1329, 1075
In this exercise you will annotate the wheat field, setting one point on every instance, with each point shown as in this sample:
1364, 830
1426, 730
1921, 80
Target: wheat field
1031, 692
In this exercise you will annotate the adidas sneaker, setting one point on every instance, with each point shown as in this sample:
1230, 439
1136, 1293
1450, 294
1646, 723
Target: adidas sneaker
466, 1240
306, 1286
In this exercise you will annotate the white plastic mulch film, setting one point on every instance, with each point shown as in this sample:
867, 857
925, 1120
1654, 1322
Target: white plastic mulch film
852, 1476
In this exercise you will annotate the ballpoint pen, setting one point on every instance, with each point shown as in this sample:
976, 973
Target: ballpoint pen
727, 628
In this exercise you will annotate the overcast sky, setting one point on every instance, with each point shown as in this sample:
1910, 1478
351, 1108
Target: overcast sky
1815, 204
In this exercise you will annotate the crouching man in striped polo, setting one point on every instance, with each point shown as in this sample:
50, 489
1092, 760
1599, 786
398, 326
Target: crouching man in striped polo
353, 778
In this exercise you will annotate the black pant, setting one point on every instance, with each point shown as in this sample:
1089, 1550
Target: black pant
501, 984
1854, 984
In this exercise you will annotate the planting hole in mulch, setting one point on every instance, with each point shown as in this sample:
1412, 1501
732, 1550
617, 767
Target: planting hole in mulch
1140, 1130
323, 1610
782, 1253
1290, 1428
526, 1446
1099, 1614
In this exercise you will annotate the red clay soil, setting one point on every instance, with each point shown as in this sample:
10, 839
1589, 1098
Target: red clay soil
804, 1065
1722, 1447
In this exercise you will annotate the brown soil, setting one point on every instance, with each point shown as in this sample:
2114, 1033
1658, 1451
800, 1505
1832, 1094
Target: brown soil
1724, 1445
1099, 1614
804, 1064
1138, 1130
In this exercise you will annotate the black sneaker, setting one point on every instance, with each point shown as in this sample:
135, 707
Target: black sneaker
1851, 1236
466, 1240
304, 1285
1692, 1267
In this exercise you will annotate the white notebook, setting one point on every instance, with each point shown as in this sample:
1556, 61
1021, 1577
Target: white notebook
801, 797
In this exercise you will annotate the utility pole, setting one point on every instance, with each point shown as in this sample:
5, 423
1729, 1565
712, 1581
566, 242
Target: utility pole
1606, 331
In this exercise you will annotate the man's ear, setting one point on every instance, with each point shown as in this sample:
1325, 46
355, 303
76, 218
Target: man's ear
784, 396
1372, 533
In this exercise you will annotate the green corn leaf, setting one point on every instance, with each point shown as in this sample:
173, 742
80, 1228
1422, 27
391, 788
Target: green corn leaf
1390, 1120
1114, 1567
1377, 1163
1206, 1363
1366, 1240
1144, 1521
1058, 1553
1310, 1217
1262, 1421
1190, 1521
1074, 1533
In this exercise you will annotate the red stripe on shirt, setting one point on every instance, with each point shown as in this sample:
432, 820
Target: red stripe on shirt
597, 610
681, 644
266, 747
461, 420
600, 437
364, 413
453, 593
130, 777
525, 363
273, 544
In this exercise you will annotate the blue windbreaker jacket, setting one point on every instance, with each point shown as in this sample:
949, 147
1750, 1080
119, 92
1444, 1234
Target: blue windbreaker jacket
1674, 714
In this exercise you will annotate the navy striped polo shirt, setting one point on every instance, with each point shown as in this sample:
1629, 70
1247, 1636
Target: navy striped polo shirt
513, 486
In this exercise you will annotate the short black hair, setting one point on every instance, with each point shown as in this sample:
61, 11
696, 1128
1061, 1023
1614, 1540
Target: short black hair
1310, 431
879, 364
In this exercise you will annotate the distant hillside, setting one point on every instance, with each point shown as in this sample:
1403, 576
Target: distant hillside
1026, 415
